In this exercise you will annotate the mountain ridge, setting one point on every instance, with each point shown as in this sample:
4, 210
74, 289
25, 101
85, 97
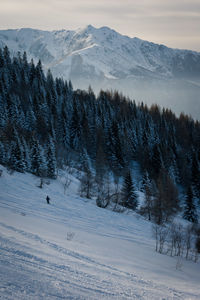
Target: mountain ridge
105, 59
133, 56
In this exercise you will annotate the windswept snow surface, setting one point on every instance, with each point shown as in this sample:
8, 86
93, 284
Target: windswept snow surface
71, 249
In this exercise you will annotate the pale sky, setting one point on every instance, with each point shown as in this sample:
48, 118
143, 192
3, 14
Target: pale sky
175, 23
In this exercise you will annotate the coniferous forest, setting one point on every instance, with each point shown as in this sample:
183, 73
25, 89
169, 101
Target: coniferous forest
45, 125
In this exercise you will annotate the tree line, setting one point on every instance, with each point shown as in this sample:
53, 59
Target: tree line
45, 124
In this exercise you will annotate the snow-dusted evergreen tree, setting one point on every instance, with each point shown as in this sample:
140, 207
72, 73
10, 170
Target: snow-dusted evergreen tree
156, 163
75, 129
26, 155
51, 159
166, 201
129, 197
116, 148
190, 213
38, 162
3, 110
87, 181
149, 190
2, 154
17, 161
195, 173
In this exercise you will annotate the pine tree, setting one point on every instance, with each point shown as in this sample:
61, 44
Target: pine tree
190, 209
1, 59
115, 147
156, 161
51, 159
3, 111
195, 170
100, 162
75, 130
149, 193
6, 56
16, 161
129, 196
38, 163
26, 155
87, 180
166, 201
2, 154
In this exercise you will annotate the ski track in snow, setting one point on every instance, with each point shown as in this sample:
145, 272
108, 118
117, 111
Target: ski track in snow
38, 262
110, 288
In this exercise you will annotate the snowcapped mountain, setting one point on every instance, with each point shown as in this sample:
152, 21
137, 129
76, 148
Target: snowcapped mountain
101, 53
104, 58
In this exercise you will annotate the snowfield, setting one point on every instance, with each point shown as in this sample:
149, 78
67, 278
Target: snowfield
72, 249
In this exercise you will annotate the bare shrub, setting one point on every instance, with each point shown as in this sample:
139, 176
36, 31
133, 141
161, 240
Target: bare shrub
160, 233
177, 240
67, 183
70, 235
10, 171
179, 264
41, 183
188, 240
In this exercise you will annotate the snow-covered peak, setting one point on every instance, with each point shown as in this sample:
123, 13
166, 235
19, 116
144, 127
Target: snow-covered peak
101, 53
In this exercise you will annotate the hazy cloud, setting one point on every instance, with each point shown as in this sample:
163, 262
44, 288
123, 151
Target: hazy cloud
175, 23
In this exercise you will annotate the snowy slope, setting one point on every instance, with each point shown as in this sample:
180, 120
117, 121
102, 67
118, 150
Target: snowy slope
72, 249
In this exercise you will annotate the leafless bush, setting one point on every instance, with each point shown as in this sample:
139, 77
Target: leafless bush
179, 263
41, 183
188, 240
70, 236
69, 170
102, 202
177, 241
67, 183
160, 233
10, 171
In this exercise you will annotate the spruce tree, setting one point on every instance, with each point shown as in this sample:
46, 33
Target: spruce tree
190, 209
87, 180
195, 170
75, 130
17, 161
38, 163
156, 162
2, 154
166, 201
115, 147
149, 192
51, 159
129, 196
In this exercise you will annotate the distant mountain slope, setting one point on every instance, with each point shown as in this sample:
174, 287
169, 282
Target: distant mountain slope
101, 52
106, 59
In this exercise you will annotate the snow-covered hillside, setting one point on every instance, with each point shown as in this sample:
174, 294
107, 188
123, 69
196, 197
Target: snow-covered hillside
72, 249
102, 53
105, 59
